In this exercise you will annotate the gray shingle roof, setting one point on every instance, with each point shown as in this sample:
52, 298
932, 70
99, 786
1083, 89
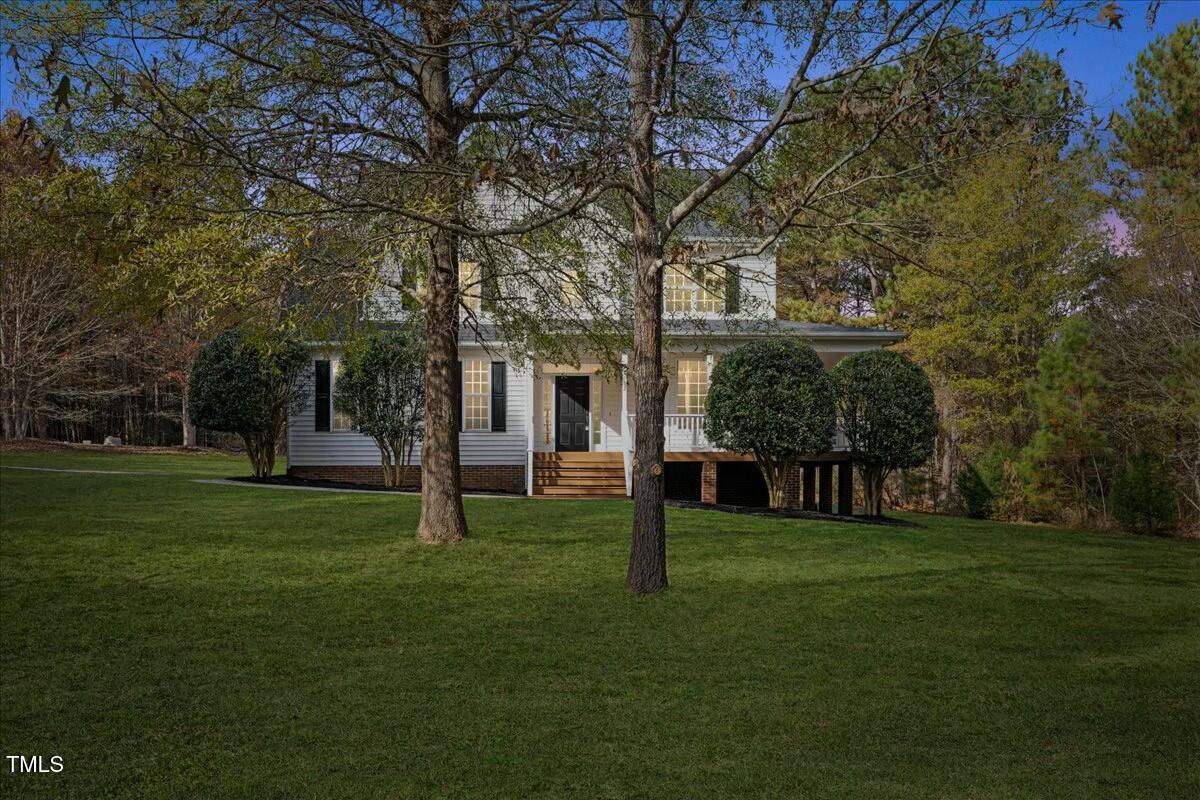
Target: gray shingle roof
735, 329
755, 328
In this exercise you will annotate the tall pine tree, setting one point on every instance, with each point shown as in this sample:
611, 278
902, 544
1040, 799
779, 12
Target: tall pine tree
1064, 464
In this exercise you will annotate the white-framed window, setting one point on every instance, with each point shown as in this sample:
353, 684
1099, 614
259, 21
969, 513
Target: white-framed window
477, 395
469, 286
571, 287
338, 420
692, 387
548, 408
710, 291
686, 290
596, 387
676, 294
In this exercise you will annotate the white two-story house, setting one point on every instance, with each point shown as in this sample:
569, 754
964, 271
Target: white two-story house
540, 428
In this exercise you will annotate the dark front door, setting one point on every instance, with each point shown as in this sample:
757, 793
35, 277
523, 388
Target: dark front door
571, 418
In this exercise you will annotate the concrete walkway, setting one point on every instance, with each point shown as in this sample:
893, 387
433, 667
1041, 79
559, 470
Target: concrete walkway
86, 471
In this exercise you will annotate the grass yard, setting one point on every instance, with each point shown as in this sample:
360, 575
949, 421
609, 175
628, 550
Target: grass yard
174, 639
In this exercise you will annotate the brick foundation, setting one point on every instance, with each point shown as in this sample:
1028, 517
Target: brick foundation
811, 486
479, 478
791, 488
708, 482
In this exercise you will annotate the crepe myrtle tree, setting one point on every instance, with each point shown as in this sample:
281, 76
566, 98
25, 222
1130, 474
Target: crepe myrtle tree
381, 389
773, 399
247, 383
885, 403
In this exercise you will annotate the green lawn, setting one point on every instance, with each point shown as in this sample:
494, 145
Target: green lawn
175, 639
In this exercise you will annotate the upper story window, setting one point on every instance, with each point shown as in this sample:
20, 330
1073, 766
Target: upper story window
694, 291
477, 392
571, 287
469, 285
692, 387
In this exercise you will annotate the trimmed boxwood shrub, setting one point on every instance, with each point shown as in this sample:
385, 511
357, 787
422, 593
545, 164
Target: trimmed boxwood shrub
774, 399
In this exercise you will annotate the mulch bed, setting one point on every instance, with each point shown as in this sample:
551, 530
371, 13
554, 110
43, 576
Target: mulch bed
789, 513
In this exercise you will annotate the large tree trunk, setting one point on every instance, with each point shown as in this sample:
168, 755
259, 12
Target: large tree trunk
648, 547
442, 518
189, 430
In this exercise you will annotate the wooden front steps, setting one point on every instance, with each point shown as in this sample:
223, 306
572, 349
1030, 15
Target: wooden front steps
578, 475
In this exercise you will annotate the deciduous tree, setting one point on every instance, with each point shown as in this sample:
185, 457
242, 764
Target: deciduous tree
381, 117
696, 97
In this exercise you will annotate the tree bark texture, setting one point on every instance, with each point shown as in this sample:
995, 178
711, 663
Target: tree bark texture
261, 451
442, 518
385, 462
189, 430
648, 545
775, 473
873, 478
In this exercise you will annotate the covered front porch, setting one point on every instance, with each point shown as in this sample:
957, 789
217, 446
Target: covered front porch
583, 423
589, 407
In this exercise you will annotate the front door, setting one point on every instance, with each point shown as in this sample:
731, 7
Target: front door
571, 417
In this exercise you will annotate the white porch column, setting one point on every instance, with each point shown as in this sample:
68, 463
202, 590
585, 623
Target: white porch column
626, 428
532, 422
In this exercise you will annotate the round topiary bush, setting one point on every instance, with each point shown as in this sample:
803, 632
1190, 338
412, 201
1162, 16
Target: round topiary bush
774, 399
247, 385
886, 407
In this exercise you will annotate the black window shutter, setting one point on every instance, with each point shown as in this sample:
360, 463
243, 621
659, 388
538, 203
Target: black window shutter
322, 396
499, 400
733, 289
458, 406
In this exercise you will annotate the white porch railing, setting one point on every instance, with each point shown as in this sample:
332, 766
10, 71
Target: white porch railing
681, 432
684, 433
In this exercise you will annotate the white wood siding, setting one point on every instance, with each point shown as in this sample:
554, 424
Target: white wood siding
310, 447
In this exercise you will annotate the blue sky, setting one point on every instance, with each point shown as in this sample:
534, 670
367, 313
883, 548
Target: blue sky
1098, 58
